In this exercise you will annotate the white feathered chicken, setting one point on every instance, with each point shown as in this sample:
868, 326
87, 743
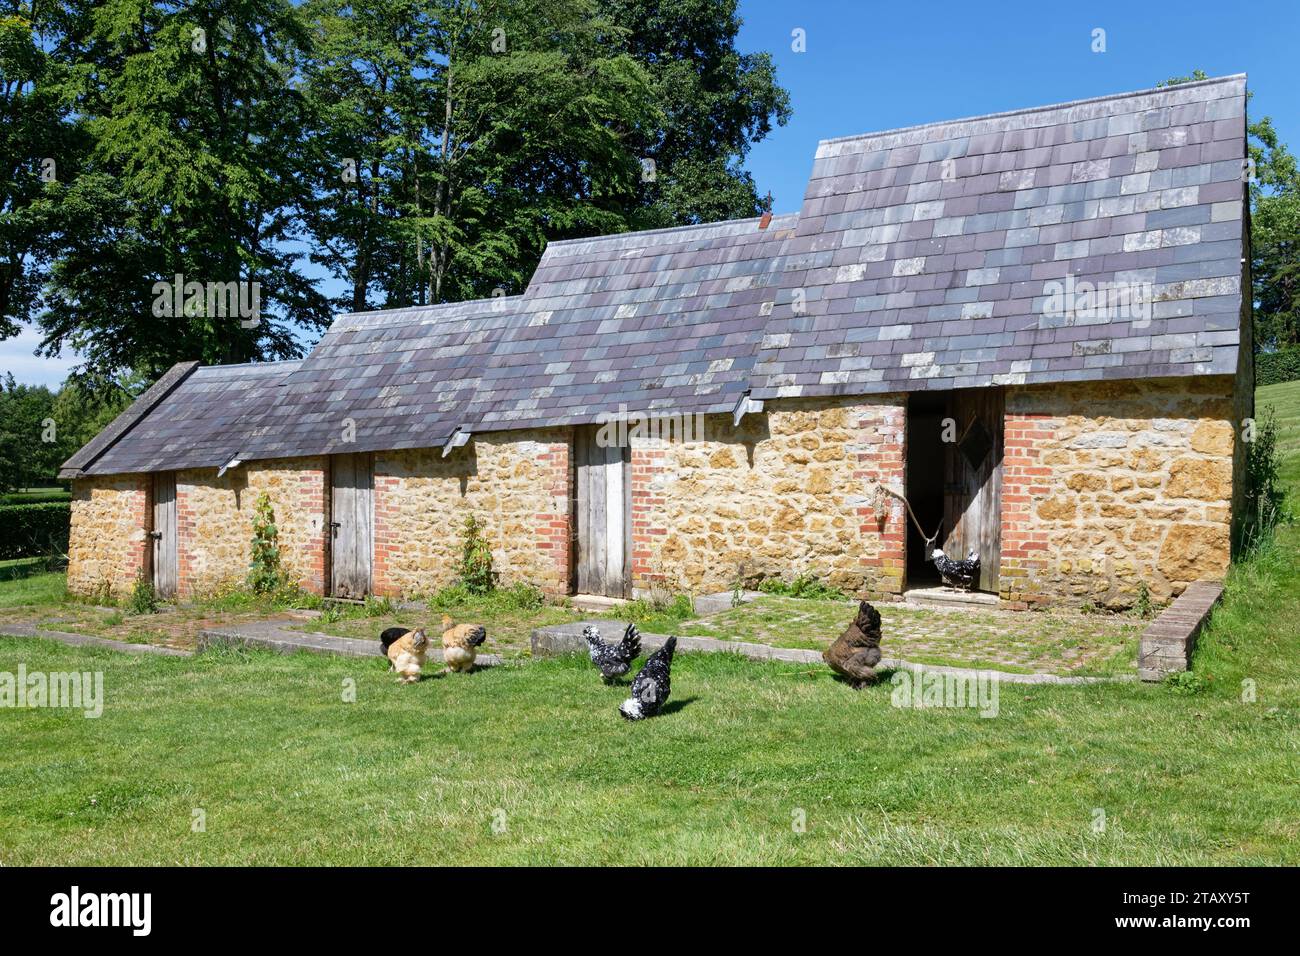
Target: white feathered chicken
612, 660
957, 574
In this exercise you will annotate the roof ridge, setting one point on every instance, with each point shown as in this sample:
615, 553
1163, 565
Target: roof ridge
1027, 110
433, 306
666, 230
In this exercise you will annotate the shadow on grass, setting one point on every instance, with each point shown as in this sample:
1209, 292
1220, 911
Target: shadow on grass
26, 567
673, 706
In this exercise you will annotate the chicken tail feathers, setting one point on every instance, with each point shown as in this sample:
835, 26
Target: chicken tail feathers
477, 635
630, 646
388, 638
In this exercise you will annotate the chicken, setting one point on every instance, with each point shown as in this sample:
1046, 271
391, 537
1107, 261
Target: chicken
651, 685
612, 660
406, 651
856, 652
957, 574
460, 643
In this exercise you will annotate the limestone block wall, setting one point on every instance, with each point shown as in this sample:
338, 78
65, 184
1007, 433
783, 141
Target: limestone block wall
108, 546
1110, 484
518, 484
214, 522
790, 491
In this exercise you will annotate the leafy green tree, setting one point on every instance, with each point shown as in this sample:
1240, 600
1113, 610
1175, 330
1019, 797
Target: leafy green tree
195, 122
474, 132
716, 102
39, 146
1275, 239
30, 454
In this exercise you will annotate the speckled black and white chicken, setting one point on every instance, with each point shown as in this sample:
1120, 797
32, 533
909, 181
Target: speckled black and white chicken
651, 684
612, 660
957, 574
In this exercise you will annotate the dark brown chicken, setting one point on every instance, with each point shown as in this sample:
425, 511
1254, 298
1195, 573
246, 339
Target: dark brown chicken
857, 651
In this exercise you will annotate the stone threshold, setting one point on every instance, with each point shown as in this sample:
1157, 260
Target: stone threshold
946, 597
560, 639
271, 636
89, 640
1166, 645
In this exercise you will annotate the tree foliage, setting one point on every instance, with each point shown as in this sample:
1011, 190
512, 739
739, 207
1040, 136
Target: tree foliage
418, 150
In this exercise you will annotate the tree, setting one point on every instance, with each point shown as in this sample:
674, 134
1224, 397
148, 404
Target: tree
29, 449
194, 121
450, 140
717, 102
39, 144
1275, 239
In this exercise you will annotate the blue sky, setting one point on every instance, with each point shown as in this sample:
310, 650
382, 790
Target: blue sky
873, 64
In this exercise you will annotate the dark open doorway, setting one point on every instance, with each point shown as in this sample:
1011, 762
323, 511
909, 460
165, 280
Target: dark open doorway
925, 414
954, 480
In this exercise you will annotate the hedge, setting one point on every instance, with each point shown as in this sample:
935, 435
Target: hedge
31, 531
34, 497
1280, 366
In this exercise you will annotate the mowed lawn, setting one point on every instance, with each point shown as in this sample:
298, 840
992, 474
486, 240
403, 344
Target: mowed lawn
753, 763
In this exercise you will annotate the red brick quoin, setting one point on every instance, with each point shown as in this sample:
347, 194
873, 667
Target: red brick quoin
882, 460
1024, 481
555, 526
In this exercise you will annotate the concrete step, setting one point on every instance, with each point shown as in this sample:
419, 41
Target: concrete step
949, 598
596, 603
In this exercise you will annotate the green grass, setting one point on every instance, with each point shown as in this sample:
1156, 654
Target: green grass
1200, 771
28, 581
286, 771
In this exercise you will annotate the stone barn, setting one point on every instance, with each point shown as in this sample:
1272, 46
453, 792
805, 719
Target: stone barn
1032, 326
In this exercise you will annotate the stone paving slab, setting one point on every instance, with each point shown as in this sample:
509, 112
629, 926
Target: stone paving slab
273, 637
707, 604
88, 640
567, 639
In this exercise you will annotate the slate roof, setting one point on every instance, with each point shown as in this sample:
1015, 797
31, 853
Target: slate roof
923, 253
198, 421
920, 259
662, 320
401, 378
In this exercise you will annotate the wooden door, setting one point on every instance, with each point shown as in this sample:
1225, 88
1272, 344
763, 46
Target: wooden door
604, 516
351, 525
972, 500
164, 534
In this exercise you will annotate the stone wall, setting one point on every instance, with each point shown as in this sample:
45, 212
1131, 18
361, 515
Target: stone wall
108, 545
214, 523
1110, 484
788, 492
517, 483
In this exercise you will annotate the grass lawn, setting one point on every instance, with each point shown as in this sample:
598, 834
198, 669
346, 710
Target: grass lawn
532, 764
1053, 642
27, 582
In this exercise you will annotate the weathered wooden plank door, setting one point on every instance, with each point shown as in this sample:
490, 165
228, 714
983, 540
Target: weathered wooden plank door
972, 500
604, 516
163, 534
351, 524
